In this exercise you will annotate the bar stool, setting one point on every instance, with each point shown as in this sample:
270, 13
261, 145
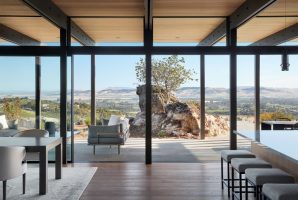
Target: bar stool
258, 177
227, 155
240, 165
280, 191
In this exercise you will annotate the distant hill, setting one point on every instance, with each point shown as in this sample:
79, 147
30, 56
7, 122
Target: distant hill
243, 92
185, 93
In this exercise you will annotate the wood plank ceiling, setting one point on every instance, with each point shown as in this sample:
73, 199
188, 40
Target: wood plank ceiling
128, 30
269, 21
21, 18
102, 29
260, 27
122, 20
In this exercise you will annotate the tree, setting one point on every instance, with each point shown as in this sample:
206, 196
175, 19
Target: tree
12, 108
168, 74
269, 116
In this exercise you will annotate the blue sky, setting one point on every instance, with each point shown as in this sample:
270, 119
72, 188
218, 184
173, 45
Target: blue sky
17, 73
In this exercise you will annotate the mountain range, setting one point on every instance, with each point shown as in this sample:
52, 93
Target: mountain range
184, 92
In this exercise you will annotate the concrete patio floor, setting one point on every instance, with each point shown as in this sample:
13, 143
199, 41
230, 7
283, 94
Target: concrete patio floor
163, 150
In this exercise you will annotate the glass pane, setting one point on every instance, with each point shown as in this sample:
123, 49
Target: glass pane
50, 97
82, 107
217, 100
117, 102
17, 93
245, 98
176, 108
50, 93
278, 92
245, 93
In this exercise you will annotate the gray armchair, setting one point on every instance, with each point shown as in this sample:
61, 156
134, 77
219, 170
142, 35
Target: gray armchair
108, 135
12, 165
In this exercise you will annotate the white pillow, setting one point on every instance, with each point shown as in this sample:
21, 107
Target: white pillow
114, 120
125, 124
3, 122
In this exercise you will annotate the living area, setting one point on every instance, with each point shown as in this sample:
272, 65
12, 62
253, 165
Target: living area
154, 99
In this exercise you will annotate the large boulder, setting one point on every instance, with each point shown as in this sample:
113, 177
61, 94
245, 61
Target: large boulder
174, 118
157, 102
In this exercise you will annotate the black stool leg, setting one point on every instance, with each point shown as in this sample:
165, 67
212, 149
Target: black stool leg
246, 189
228, 172
240, 186
232, 183
221, 170
24, 183
257, 192
4, 190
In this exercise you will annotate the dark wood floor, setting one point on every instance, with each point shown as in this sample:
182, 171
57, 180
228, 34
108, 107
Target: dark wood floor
136, 181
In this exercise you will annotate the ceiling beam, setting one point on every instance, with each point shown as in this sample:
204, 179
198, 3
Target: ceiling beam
16, 37
279, 37
148, 14
54, 14
248, 10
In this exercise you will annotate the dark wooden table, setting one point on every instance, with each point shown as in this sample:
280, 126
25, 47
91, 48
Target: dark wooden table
279, 125
42, 146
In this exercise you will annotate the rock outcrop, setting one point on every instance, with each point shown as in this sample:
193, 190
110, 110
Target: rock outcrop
174, 118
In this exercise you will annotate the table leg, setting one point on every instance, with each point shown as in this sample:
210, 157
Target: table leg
58, 163
43, 171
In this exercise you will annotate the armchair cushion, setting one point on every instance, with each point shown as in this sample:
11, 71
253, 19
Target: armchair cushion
114, 120
125, 124
3, 122
104, 131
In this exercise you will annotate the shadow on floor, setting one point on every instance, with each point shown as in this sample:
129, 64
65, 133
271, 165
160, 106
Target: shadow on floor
163, 150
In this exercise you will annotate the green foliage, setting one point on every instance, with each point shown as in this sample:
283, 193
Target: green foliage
168, 74
88, 120
162, 134
273, 116
27, 114
104, 113
246, 109
12, 108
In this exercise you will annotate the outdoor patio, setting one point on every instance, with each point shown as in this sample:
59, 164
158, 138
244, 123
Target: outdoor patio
163, 150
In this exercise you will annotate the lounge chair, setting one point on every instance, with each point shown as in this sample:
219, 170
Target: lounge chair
116, 132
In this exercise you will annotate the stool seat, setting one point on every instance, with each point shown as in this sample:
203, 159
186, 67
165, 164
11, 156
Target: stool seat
268, 175
227, 155
241, 164
281, 191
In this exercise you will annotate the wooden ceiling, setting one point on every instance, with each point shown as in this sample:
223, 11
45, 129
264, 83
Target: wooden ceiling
195, 7
15, 8
280, 6
183, 30
101, 7
34, 27
261, 27
113, 30
95, 17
